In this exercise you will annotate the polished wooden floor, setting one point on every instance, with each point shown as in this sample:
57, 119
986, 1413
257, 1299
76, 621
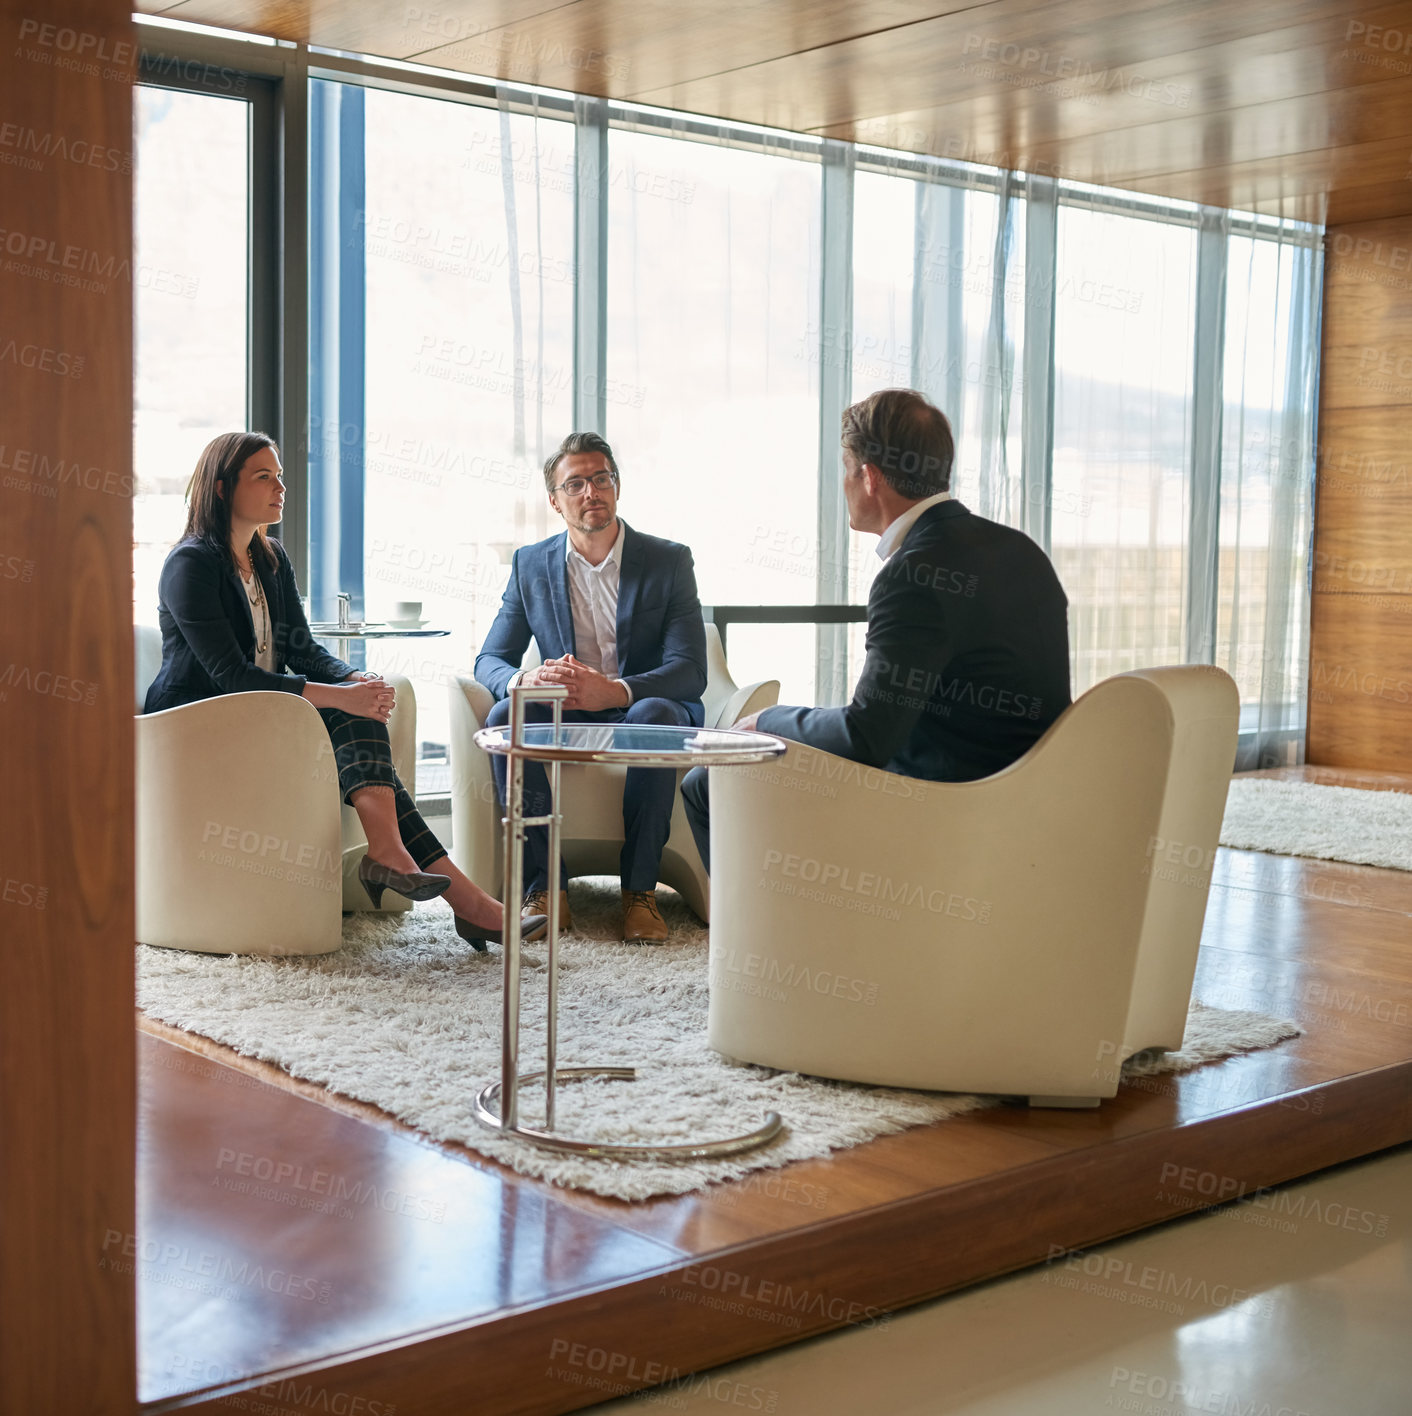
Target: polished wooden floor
281, 1230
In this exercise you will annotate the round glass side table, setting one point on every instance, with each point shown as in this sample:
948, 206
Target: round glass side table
555, 743
344, 634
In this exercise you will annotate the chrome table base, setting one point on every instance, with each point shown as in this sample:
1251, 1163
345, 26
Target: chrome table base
488, 1113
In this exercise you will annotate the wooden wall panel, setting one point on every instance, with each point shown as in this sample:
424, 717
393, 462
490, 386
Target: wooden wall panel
1367, 201
1360, 682
1363, 533
1361, 359
1360, 670
67, 1049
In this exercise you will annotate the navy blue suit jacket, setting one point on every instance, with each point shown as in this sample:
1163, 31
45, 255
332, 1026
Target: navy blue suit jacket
208, 635
661, 637
967, 656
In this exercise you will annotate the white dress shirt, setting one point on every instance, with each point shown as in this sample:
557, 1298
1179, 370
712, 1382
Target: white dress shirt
593, 599
896, 532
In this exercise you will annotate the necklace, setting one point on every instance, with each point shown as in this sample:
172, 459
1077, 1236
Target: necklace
257, 602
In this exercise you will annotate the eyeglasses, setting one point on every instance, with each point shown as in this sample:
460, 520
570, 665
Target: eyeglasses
577, 486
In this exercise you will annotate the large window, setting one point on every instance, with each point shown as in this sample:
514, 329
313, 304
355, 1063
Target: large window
443, 295
191, 261
712, 409
1123, 338
939, 307
885, 326
1265, 456
1130, 380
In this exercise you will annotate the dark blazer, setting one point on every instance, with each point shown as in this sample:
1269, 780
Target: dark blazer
661, 637
967, 656
208, 635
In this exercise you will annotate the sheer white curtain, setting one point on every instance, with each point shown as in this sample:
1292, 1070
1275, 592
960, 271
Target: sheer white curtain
1133, 383
939, 305
969, 306
468, 243
1266, 491
714, 349
1124, 332
1131, 380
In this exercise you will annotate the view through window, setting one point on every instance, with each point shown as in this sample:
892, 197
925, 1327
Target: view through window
467, 233
191, 261
443, 266
712, 350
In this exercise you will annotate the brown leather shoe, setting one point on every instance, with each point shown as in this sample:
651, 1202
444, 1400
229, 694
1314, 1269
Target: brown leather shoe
642, 920
537, 904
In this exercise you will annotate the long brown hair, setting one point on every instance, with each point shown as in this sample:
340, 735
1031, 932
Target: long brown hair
212, 488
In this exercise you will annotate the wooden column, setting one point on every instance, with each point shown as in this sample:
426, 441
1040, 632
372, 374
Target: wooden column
1360, 653
67, 1070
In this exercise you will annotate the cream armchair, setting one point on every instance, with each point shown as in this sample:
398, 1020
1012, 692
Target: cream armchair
1022, 934
242, 844
592, 796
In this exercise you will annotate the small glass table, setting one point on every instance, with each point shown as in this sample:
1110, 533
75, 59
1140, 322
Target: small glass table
624, 745
344, 634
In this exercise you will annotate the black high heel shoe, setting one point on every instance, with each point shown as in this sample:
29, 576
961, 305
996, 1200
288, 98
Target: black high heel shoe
415, 884
478, 938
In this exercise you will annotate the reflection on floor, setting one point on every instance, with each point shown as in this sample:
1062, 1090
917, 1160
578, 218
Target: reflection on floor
1293, 1302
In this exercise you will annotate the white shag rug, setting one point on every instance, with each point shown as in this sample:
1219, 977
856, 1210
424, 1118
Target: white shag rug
1328, 823
406, 1016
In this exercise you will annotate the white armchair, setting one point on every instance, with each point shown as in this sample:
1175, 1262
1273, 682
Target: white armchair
592, 796
242, 844
1022, 934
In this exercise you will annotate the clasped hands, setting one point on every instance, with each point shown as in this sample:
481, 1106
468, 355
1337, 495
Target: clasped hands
589, 690
369, 696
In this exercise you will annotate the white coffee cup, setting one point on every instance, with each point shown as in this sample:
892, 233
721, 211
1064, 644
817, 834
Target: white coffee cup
407, 612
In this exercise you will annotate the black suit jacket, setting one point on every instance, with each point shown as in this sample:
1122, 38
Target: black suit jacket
661, 636
208, 635
967, 656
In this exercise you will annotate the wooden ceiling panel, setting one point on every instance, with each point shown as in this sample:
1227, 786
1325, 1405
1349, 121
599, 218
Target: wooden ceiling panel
1272, 68
391, 31
1071, 51
656, 44
1304, 126
1275, 105
1297, 190
1314, 133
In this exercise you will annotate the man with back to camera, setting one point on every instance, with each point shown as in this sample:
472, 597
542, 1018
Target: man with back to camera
968, 640
617, 619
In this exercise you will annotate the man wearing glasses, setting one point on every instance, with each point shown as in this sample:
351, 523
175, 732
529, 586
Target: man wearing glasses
617, 619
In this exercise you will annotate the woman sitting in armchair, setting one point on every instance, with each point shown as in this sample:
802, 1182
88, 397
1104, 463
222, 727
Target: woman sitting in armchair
232, 622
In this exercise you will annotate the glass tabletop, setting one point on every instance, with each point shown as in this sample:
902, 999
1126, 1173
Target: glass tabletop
372, 630
636, 745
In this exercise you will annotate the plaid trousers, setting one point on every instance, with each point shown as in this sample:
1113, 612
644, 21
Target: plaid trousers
363, 755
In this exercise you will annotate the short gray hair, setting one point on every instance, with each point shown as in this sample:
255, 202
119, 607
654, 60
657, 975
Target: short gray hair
578, 442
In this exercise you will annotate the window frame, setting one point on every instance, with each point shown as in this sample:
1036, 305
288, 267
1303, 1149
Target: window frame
180, 57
